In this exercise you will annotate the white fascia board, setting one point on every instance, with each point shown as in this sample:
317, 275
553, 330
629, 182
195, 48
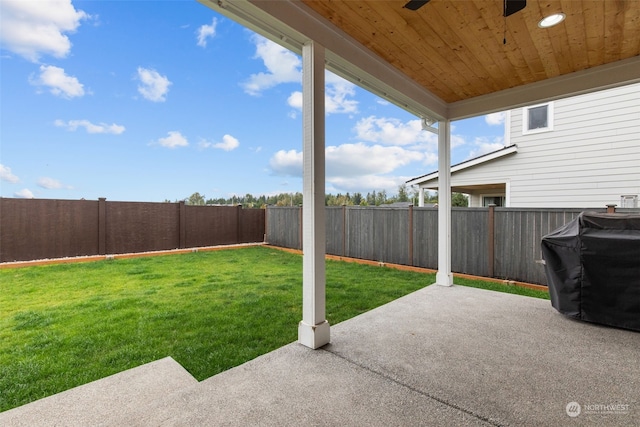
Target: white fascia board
620, 73
292, 24
467, 164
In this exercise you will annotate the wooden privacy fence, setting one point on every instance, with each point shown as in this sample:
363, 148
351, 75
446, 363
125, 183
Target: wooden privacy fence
39, 228
492, 242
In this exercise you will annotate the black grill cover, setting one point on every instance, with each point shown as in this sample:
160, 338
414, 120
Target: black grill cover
592, 266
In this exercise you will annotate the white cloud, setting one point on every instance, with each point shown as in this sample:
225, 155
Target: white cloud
336, 98
353, 167
391, 131
495, 119
367, 183
229, 143
206, 32
360, 159
154, 86
286, 163
484, 146
35, 28
58, 82
360, 165
295, 100
173, 140
73, 125
7, 175
337, 92
25, 193
457, 141
283, 66
49, 183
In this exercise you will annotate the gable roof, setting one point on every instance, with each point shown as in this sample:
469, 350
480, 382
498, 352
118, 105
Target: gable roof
467, 164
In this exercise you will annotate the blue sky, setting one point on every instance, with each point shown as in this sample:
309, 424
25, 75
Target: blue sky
153, 101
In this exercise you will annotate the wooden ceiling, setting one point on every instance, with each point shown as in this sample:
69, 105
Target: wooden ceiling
454, 48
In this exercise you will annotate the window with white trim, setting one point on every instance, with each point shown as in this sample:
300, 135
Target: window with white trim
537, 118
493, 200
629, 201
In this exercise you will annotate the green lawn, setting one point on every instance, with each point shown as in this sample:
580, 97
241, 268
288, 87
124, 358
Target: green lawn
69, 324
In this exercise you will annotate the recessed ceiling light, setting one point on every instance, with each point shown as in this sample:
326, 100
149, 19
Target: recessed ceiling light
551, 20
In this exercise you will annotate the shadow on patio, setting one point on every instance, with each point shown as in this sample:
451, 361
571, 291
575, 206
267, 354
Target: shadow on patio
439, 356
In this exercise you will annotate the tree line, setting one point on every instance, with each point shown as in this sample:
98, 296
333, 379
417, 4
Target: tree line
373, 198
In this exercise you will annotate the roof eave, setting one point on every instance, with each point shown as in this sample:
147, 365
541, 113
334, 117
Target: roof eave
467, 164
291, 23
620, 73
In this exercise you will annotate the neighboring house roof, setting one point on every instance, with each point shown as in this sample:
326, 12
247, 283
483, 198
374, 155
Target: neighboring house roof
467, 164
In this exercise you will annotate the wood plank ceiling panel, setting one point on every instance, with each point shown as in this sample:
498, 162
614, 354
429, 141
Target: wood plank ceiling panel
542, 38
427, 46
454, 47
594, 25
631, 36
399, 53
614, 29
471, 25
523, 67
577, 33
475, 64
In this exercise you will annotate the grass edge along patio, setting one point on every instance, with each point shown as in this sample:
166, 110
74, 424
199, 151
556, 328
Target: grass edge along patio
68, 324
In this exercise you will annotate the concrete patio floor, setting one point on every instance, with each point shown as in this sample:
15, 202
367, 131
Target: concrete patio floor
440, 356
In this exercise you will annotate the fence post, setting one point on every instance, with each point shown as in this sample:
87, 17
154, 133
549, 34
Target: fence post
266, 224
491, 240
611, 208
239, 223
182, 218
102, 226
300, 227
410, 235
344, 229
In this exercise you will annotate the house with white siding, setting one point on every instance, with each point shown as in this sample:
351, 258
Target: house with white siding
581, 152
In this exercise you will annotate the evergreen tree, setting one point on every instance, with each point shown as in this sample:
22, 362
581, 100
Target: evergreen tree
403, 194
195, 199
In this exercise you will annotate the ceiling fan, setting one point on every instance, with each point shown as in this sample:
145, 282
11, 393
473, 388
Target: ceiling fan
510, 6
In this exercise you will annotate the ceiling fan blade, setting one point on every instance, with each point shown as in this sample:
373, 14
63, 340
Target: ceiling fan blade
513, 6
415, 4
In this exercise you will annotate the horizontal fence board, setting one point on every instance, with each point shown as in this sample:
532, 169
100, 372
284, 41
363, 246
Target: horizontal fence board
252, 225
211, 225
33, 229
141, 227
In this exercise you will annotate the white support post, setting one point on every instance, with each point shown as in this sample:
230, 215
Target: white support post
421, 197
313, 330
444, 276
